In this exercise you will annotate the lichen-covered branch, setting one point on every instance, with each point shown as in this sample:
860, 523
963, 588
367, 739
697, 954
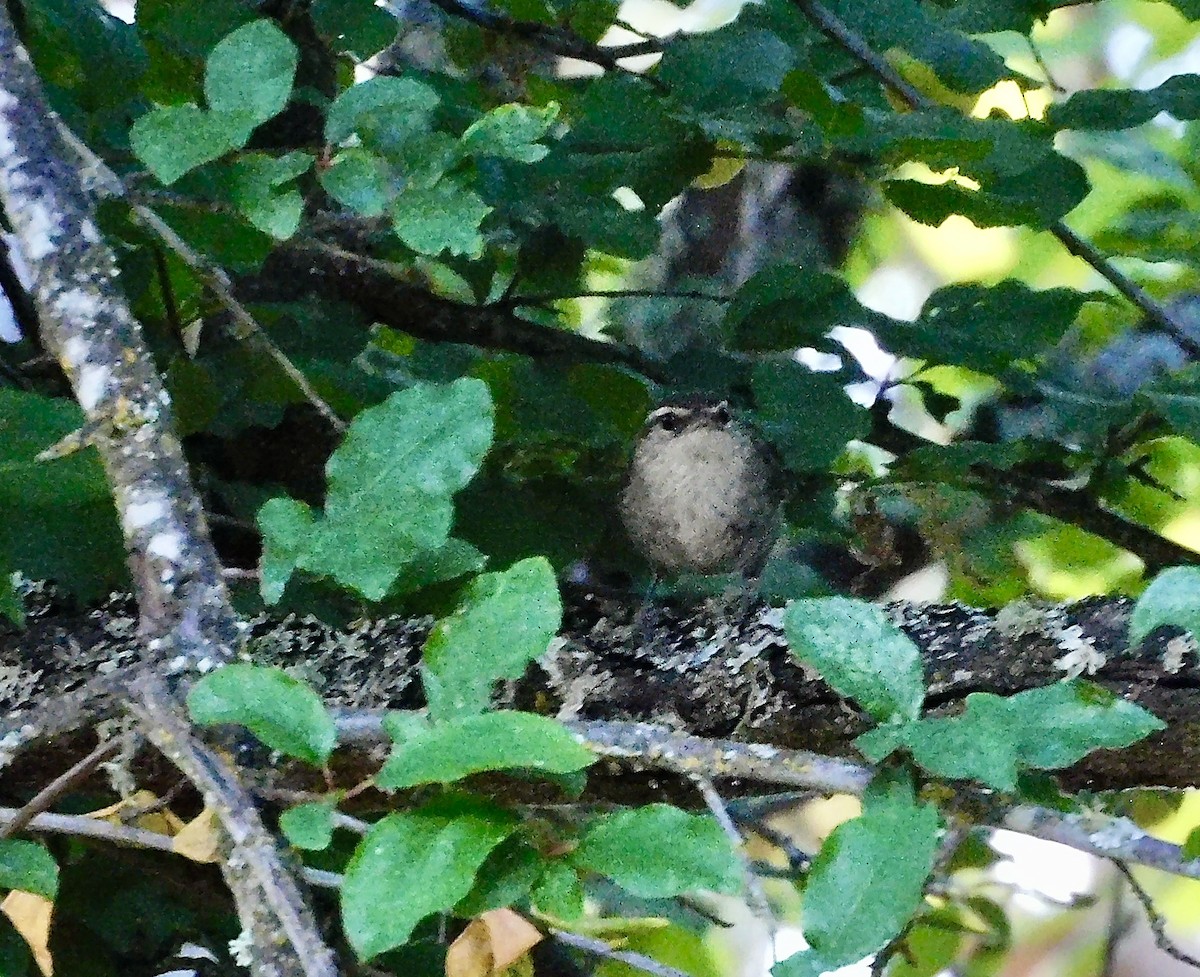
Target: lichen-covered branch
87, 324
284, 937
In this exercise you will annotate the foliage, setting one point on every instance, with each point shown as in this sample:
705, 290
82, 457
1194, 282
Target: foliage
491, 397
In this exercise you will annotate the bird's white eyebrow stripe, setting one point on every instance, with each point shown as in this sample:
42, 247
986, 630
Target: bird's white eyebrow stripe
662, 412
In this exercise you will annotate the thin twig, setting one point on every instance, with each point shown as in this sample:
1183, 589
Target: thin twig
560, 40
625, 293
833, 28
756, 896
589, 944
213, 276
1154, 918
46, 797
83, 826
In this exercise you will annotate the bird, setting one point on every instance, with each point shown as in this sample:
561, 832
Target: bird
702, 495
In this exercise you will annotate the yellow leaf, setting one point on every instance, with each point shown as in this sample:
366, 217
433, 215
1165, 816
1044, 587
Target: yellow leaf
163, 821
495, 942
30, 916
200, 838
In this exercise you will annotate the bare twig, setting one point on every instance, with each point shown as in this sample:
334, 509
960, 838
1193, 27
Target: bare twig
559, 40
1154, 918
756, 896
833, 28
82, 826
589, 944
44, 798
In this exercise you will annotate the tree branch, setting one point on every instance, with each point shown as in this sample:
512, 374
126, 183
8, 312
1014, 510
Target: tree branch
286, 939
90, 329
833, 28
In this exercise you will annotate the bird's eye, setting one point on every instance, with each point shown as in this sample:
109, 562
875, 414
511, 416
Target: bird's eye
720, 413
669, 421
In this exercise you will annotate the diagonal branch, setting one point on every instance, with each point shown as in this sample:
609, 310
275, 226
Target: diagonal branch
832, 27
89, 327
286, 940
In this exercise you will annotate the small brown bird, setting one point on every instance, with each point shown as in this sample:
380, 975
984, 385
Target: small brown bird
702, 495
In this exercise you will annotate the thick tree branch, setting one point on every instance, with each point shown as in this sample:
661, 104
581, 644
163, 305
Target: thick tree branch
90, 329
854, 45
385, 297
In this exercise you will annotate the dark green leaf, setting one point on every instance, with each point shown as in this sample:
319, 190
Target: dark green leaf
505, 621
786, 306
354, 26
359, 179
379, 105
659, 851
458, 747
412, 865
281, 711
256, 181
309, 826
859, 652
27, 866
56, 517
1123, 109
806, 415
1173, 598
986, 329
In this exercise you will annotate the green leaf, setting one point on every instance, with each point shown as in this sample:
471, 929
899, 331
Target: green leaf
281, 711
558, 892
381, 110
461, 746
174, 140
27, 866
443, 217
1125, 108
1173, 598
859, 652
505, 621
357, 27
659, 851
256, 179
806, 415
785, 306
986, 328
11, 605
390, 486
309, 826
511, 132
995, 738
869, 877
288, 528
1038, 196
1191, 847
248, 76
359, 179
409, 866
57, 519
504, 878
